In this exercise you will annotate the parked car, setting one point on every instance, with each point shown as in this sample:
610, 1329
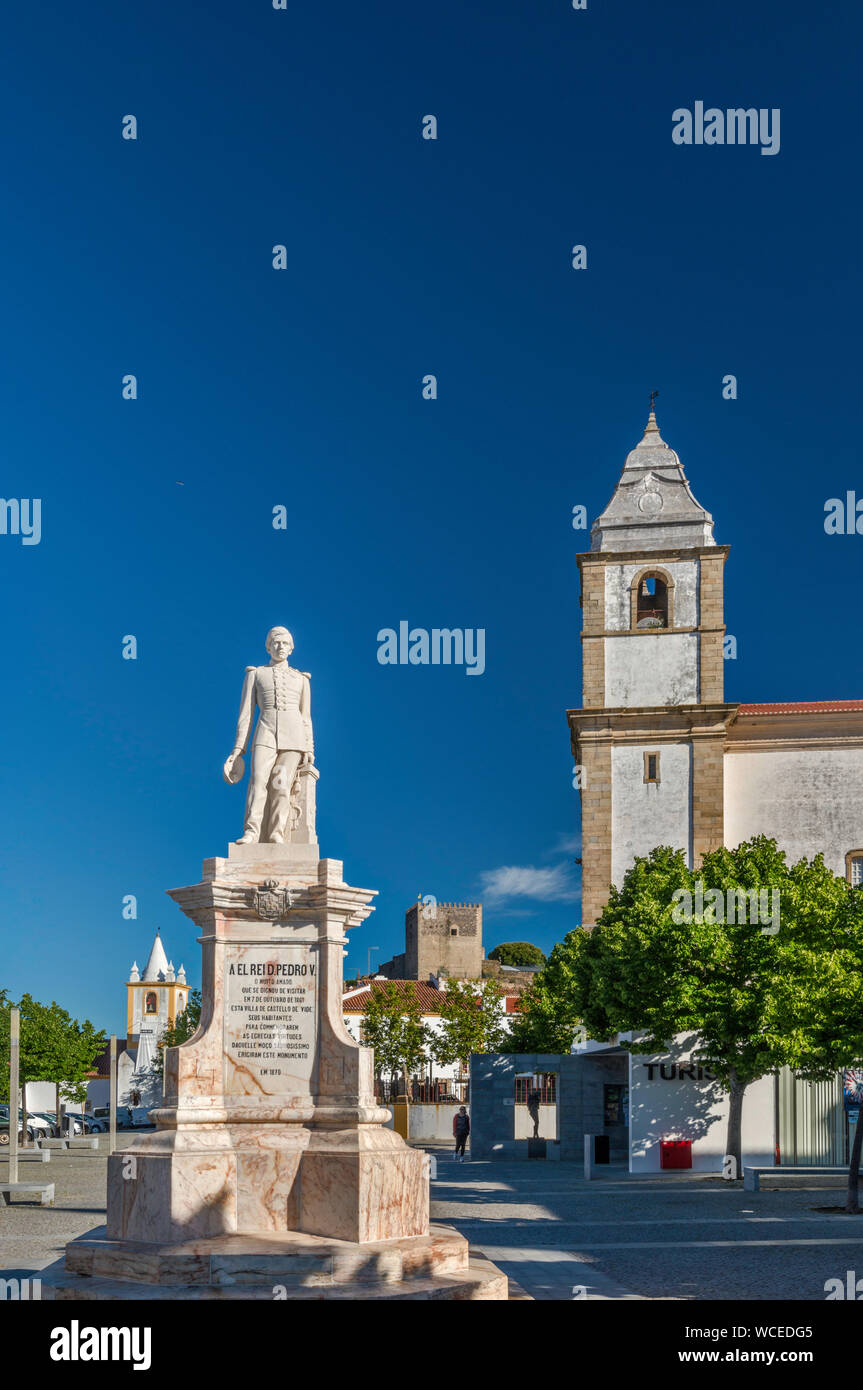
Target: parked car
125, 1118
83, 1123
37, 1127
51, 1116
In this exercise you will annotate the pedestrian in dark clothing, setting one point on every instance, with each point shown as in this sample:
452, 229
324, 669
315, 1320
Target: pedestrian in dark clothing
460, 1129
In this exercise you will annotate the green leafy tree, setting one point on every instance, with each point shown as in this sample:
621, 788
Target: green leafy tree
517, 953
472, 1020
393, 1027
547, 1019
54, 1047
760, 997
185, 1026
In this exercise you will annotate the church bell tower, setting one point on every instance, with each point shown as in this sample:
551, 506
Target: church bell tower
648, 739
154, 1002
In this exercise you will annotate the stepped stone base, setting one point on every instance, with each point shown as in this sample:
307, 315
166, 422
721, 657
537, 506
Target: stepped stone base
288, 1265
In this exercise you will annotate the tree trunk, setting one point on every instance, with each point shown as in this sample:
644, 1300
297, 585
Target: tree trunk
852, 1200
734, 1143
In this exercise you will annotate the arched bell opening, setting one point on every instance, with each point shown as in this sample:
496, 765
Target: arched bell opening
652, 594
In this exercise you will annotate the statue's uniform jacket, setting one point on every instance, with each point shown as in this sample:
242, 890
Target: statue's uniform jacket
283, 697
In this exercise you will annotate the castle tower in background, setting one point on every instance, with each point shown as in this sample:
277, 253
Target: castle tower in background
440, 939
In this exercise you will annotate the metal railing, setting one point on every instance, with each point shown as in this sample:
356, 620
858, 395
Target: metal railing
546, 1089
436, 1092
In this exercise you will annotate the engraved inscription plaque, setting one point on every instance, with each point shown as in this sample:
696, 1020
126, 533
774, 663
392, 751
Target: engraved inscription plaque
271, 1020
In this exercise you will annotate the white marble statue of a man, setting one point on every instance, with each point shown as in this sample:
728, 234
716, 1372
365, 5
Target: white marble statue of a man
283, 739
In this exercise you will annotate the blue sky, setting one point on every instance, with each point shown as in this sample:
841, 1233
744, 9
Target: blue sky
302, 388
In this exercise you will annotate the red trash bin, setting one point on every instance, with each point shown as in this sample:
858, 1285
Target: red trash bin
675, 1153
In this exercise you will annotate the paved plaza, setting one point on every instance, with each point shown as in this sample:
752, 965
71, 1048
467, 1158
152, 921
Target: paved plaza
31, 1236
679, 1236
674, 1236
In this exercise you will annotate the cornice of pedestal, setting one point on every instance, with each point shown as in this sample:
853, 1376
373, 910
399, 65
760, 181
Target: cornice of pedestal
276, 900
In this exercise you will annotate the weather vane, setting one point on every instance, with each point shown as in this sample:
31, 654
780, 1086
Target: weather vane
653, 396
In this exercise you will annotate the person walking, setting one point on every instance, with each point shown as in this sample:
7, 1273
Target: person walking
461, 1130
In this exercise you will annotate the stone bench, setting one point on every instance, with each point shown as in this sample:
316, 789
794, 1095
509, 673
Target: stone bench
43, 1190
82, 1142
29, 1155
752, 1176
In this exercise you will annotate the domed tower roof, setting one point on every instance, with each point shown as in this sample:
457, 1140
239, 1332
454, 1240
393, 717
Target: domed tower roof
652, 507
157, 965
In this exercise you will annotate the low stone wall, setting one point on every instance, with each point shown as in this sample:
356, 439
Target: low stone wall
547, 1122
431, 1123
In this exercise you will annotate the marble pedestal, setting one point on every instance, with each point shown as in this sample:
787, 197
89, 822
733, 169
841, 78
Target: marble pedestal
270, 1151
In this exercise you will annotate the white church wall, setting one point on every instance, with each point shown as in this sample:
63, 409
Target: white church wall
449, 1071
808, 800
41, 1095
661, 670
647, 814
664, 1105
442, 1071
618, 580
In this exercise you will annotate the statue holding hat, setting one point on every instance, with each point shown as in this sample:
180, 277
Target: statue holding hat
282, 746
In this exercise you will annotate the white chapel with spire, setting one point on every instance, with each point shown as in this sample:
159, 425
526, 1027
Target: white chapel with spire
154, 1001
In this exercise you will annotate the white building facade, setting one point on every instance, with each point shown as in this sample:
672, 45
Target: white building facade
429, 995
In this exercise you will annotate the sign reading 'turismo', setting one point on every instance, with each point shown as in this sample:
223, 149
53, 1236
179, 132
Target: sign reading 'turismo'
676, 1071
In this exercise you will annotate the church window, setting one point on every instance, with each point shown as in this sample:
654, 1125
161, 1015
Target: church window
854, 868
151, 1003
651, 767
453, 931
651, 602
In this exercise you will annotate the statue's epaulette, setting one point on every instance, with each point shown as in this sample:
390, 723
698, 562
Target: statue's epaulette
307, 674
251, 668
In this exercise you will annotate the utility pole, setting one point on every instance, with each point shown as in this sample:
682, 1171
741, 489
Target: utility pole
112, 1097
14, 1049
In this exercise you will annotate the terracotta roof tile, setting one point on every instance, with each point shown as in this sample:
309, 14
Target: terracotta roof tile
804, 707
429, 997
102, 1064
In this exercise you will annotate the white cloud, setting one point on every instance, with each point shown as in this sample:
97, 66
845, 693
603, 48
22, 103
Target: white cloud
566, 844
513, 881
